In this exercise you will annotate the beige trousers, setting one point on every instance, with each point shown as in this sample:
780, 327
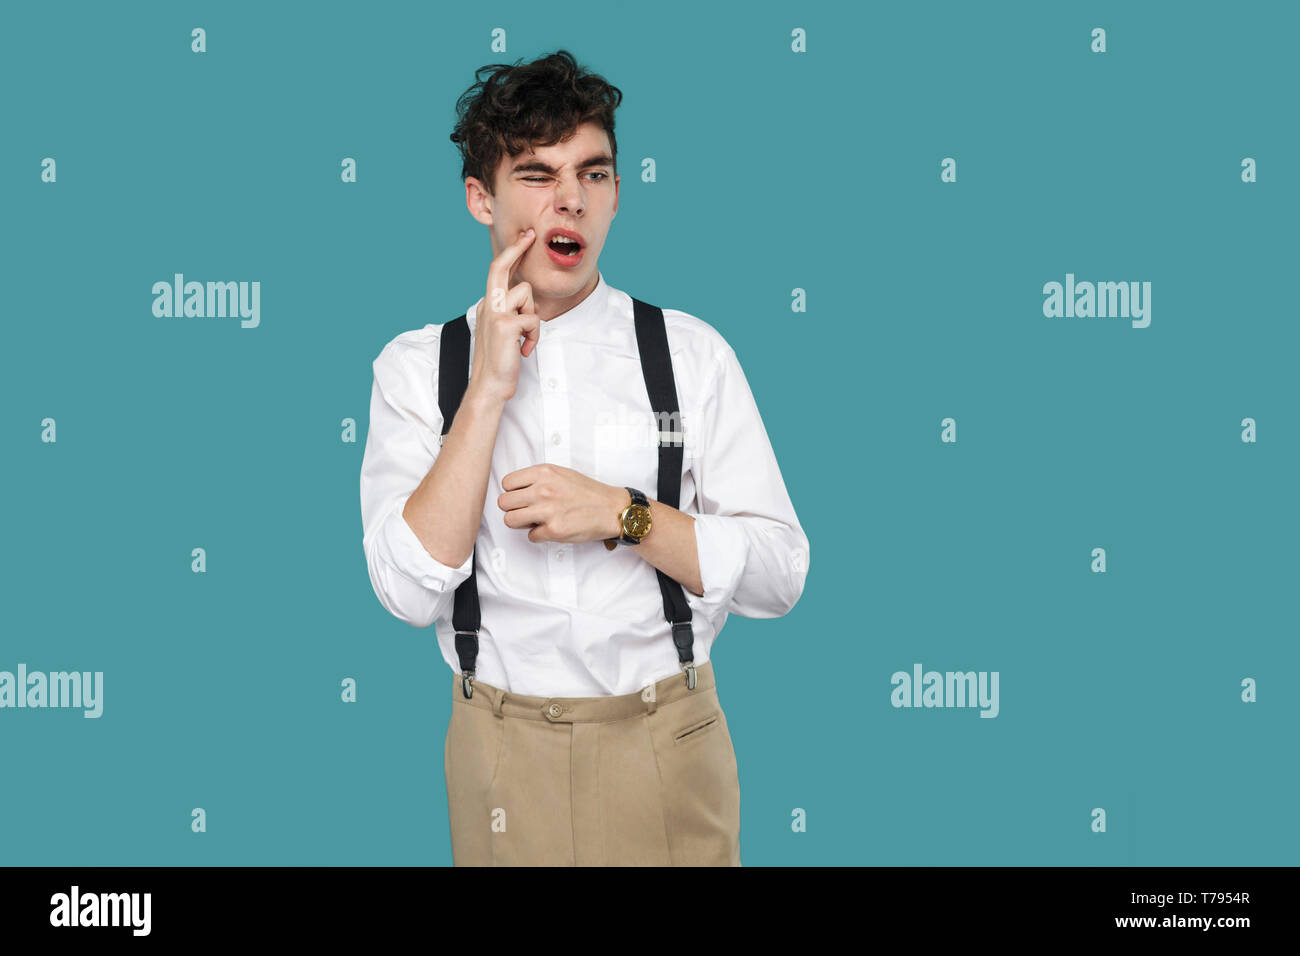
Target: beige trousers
645, 779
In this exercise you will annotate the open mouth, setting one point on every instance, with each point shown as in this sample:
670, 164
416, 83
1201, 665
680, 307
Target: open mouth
565, 247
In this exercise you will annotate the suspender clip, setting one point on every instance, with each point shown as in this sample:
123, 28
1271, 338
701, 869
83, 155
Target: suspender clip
467, 650
682, 639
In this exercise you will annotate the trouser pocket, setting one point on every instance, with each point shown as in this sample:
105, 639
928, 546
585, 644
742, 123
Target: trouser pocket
700, 782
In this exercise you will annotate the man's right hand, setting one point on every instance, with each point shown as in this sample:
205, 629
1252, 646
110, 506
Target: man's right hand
502, 316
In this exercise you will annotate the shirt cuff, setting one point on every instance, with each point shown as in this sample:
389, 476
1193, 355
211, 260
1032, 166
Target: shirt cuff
723, 550
403, 550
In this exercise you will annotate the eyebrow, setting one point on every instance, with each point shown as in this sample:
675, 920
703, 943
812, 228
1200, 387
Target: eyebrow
537, 166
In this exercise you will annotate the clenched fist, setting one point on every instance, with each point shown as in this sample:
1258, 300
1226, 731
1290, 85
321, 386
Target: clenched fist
560, 504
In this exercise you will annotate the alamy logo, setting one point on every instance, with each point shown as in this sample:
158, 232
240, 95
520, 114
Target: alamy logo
181, 299
102, 909
623, 429
950, 689
56, 689
1123, 300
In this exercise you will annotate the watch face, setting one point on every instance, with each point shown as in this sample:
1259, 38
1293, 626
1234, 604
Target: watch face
636, 523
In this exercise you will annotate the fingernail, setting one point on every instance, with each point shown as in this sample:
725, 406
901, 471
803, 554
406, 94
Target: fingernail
529, 232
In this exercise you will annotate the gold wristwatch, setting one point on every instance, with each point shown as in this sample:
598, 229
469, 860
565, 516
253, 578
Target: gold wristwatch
634, 519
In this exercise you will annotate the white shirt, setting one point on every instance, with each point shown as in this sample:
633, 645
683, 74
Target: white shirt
564, 619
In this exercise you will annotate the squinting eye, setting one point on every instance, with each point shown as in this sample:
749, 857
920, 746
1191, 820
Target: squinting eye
537, 179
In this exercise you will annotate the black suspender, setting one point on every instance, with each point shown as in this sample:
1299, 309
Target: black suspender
661, 391
453, 378
657, 368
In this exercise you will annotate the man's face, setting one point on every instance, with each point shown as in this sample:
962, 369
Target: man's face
570, 185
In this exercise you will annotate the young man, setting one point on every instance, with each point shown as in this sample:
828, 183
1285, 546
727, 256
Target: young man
543, 490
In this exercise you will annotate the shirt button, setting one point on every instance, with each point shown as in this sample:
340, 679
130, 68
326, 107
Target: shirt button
550, 383
555, 438
555, 710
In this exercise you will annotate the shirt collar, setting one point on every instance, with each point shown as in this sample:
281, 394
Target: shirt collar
591, 313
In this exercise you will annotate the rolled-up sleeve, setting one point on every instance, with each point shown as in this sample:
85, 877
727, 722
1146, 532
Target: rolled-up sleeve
402, 443
753, 553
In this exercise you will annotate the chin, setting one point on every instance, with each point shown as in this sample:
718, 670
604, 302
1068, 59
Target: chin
557, 281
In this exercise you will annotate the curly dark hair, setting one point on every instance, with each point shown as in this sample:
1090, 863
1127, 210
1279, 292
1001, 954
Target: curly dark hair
525, 105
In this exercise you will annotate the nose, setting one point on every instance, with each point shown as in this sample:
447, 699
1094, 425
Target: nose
569, 196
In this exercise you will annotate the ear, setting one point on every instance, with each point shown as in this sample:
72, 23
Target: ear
478, 201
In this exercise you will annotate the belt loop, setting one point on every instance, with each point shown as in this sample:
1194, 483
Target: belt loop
497, 699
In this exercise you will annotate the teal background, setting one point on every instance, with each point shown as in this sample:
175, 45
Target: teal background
817, 171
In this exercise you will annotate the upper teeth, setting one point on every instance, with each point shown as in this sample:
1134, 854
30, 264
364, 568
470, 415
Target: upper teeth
564, 239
